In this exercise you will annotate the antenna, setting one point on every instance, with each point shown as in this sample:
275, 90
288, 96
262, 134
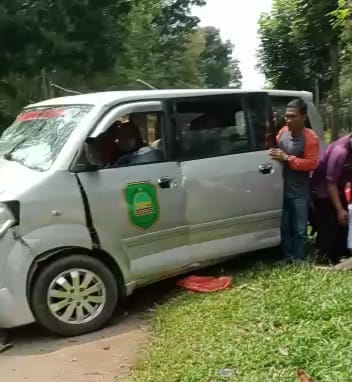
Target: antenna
51, 83
146, 84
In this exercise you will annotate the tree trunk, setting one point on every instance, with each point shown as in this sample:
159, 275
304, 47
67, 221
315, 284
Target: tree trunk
45, 90
334, 61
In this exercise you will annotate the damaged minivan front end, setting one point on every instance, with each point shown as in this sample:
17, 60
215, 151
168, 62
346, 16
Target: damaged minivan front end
16, 255
40, 203
16, 258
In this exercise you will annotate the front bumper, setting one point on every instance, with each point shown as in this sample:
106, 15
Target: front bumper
15, 262
10, 311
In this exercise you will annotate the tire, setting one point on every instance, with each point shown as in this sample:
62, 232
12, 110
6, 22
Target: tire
74, 295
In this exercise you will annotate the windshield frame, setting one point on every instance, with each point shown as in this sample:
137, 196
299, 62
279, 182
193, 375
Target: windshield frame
82, 113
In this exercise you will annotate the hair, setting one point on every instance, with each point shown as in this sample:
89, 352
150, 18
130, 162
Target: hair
136, 133
298, 104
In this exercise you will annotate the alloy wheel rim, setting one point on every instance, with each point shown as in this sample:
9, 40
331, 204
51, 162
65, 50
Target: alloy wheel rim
76, 296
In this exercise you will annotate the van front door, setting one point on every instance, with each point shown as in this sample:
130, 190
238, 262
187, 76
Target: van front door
137, 204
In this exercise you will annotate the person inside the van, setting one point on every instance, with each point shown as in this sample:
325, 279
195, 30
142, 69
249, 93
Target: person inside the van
139, 120
298, 150
129, 140
128, 147
331, 210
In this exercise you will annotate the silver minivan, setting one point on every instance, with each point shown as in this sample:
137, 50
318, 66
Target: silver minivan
103, 193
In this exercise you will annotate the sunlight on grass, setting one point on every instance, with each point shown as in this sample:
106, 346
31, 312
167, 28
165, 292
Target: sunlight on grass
283, 319
327, 135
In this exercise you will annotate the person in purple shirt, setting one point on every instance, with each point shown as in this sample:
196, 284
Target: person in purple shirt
329, 180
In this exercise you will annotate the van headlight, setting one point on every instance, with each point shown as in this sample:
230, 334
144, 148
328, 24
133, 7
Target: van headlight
7, 219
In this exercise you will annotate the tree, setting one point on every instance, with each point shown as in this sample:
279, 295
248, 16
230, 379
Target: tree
47, 39
300, 48
236, 79
89, 45
319, 41
217, 65
344, 25
79, 36
279, 56
174, 26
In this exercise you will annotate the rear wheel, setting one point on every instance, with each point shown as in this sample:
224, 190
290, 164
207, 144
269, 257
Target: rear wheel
74, 295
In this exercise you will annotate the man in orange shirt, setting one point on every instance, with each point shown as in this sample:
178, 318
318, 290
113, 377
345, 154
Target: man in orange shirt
298, 150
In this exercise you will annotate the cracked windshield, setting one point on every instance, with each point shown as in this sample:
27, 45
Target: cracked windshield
38, 135
175, 190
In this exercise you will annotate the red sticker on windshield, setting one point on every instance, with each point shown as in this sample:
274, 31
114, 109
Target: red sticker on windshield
40, 114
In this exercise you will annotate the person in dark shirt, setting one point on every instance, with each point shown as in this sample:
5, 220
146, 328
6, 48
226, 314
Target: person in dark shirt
329, 180
128, 141
122, 145
298, 150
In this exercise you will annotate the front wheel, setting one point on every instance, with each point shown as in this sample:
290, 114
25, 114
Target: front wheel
74, 295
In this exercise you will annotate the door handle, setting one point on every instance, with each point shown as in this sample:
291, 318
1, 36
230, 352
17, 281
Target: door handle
266, 168
164, 182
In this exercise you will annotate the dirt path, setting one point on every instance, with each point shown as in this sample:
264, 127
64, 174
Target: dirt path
97, 357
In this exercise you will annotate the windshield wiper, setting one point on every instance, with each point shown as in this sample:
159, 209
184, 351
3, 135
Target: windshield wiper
8, 155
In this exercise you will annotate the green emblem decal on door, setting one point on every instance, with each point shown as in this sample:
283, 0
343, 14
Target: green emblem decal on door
143, 206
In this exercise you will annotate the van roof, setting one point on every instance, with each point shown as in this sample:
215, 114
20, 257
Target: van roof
113, 97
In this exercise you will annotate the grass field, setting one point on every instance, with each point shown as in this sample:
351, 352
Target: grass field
327, 135
273, 321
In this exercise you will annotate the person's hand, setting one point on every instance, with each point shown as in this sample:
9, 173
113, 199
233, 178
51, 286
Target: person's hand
342, 217
278, 155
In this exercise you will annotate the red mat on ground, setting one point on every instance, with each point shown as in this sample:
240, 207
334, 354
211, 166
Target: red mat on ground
205, 283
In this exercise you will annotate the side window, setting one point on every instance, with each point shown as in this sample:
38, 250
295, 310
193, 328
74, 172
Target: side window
211, 127
149, 125
260, 119
131, 140
279, 104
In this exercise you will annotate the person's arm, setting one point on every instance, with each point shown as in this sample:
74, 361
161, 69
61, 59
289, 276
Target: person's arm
311, 155
279, 134
276, 153
334, 195
334, 169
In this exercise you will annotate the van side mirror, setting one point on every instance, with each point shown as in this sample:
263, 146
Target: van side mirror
91, 151
88, 160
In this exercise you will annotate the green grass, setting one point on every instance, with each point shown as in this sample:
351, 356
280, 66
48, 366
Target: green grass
327, 135
283, 319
